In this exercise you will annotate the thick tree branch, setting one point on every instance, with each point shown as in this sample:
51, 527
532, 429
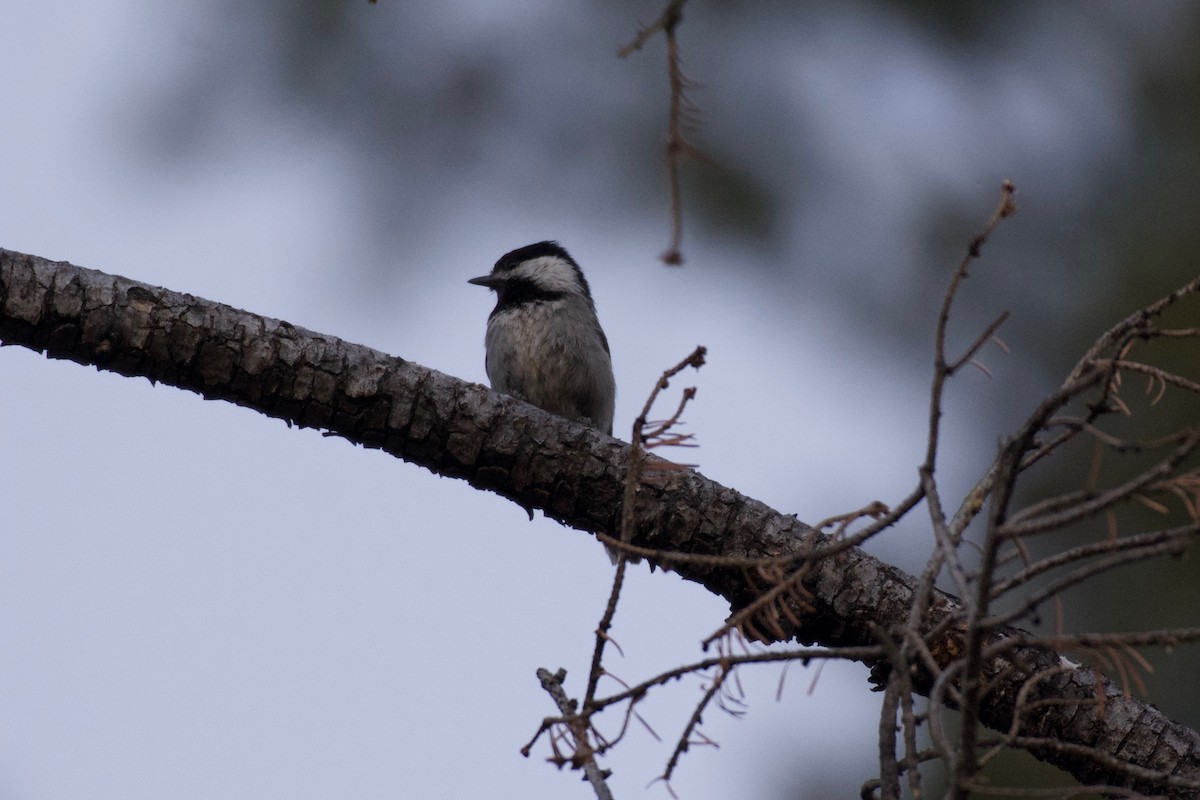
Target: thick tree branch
575, 475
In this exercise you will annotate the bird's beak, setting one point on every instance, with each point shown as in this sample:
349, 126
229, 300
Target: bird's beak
490, 281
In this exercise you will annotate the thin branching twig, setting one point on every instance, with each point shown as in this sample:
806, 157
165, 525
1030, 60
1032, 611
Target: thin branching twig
678, 146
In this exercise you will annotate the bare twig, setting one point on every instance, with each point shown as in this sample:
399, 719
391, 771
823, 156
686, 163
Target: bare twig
804, 655
1133, 326
685, 738
1178, 536
583, 755
677, 144
943, 370
639, 440
1090, 503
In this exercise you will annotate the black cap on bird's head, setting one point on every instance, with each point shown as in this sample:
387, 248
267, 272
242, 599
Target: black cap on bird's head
514, 258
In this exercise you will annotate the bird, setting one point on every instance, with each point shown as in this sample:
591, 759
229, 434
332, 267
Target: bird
544, 343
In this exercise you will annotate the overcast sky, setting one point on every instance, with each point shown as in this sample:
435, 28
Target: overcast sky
198, 602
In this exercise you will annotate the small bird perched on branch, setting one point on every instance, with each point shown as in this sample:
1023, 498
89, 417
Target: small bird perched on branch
544, 343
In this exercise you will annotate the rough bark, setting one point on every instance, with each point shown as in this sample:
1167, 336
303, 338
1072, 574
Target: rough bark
574, 474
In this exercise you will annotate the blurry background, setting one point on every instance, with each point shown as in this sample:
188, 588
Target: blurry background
196, 601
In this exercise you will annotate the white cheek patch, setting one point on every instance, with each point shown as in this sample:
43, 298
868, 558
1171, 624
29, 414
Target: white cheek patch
550, 274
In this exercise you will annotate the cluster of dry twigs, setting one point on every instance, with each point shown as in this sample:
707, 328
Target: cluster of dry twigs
993, 571
999, 581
